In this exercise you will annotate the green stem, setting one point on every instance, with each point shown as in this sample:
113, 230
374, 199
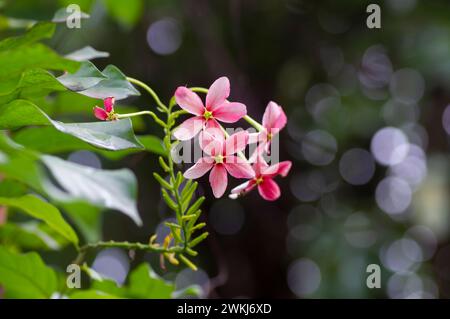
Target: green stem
167, 126
179, 211
150, 91
177, 249
254, 123
125, 245
199, 89
153, 115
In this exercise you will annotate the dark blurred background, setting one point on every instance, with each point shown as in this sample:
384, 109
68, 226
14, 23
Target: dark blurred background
368, 136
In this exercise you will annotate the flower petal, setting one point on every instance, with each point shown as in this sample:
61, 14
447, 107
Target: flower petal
259, 164
281, 168
218, 180
236, 142
269, 190
281, 121
108, 103
230, 112
213, 124
244, 187
189, 101
238, 168
189, 128
274, 117
257, 137
212, 141
100, 113
200, 168
217, 93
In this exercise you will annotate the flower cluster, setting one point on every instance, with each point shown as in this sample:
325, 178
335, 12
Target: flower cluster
223, 153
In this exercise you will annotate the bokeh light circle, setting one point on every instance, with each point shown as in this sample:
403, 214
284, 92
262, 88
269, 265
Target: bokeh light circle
357, 166
393, 195
303, 277
164, 36
319, 147
407, 85
389, 146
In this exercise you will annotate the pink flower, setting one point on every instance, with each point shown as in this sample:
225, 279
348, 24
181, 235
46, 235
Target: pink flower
217, 108
106, 113
263, 179
274, 120
220, 159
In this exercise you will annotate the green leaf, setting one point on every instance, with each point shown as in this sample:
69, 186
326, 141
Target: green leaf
168, 200
152, 143
144, 283
9, 23
190, 291
85, 54
85, 77
69, 103
103, 188
115, 135
42, 30
114, 189
32, 83
91, 294
11, 188
21, 113
51, 141
31, 235
105, 285
115, 85
195, 206
125, 12
186, 195
14, 62
37, 208
19, 163
26, 276
198, 239
86, 217
63, 14
162, 181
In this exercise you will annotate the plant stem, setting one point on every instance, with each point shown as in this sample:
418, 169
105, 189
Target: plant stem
150, 91
199, 89
254, 123
153, 115
122, 244
176, 192
174, 186
168, 132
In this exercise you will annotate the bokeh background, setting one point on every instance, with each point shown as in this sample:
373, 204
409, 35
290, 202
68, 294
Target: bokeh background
368, 135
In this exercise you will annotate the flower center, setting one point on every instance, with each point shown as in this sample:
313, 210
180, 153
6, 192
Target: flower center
112, 116
269, 136
258, 180
207, 115
219, 159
